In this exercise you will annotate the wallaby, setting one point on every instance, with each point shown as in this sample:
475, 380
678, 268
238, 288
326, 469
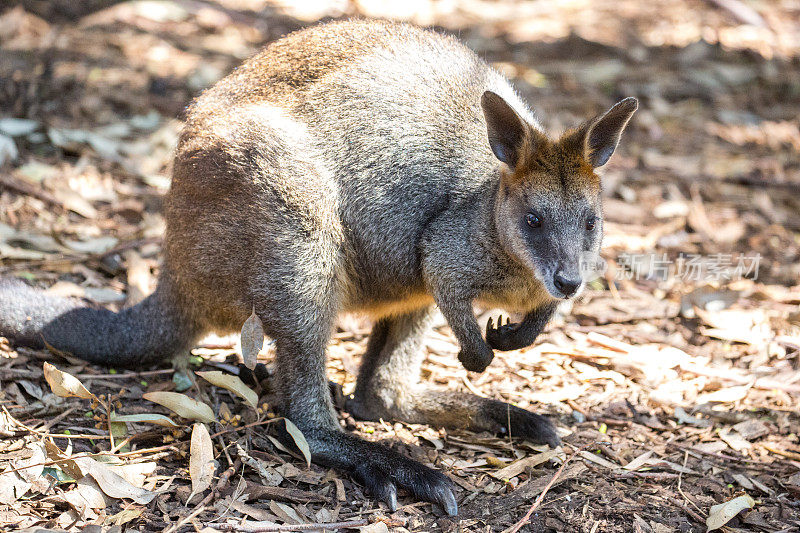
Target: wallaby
366, 167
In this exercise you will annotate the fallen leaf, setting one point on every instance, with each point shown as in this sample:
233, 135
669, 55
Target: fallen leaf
375, 527
201, 459
111, 483
589, 456
97, 245
751, 429
123, 517
135, 473
722, 513
14, 485
182, 405
726, 395
66, 464
299, 440
252, 339
150, 418
18, 127
518, 467
685, 418
734, 440
64, 384
86, 497
231, 383
638, 462
285, 512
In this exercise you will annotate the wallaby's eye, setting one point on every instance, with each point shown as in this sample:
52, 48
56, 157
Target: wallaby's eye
533, 220
590, 223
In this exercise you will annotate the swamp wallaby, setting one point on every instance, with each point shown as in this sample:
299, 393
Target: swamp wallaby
359, 167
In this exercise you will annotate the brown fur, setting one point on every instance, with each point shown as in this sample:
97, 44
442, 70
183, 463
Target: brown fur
346, 168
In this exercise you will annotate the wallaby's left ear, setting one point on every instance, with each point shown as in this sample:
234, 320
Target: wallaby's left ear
603, 134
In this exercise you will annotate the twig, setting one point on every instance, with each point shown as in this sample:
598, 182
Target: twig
125, 375
348, 524
52, 435
741, 12
538, 500
184, 520
221, 483
251, 424
786, 453
680, 480
25, 188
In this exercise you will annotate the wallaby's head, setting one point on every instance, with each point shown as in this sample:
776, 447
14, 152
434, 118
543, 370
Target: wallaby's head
548, 212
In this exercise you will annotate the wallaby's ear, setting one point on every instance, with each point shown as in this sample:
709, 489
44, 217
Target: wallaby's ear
505, 127
603, 133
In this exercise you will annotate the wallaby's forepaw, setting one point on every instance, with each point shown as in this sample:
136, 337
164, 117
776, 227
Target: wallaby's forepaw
476, 361
502, 336
519, 422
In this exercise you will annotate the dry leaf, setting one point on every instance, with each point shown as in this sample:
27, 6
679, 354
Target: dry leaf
111, 483
726, 395
14, 485
722, 513
201, 459
299, 440
252, 340
69, 466
150, 418
64, 384
123, 517
231, 383
589, 456
182, 405
375, 527
86, 497
517, 467
285, 512
735, 440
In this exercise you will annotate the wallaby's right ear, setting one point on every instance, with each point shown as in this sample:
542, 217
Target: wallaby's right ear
505, 127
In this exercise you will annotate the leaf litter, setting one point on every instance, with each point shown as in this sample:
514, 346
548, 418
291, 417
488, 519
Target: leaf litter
681, 393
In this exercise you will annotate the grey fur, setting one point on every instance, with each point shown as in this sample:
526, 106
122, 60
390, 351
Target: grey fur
347, 168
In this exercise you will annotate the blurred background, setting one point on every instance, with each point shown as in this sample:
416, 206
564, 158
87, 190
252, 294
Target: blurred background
707, 176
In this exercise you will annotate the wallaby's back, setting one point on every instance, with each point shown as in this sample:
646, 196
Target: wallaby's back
383, 120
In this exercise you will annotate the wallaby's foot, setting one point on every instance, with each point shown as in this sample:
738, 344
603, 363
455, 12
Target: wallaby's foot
504, 418
381, 470
458, 410
258, 376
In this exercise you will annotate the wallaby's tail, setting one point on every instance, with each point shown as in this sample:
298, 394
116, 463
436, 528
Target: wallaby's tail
149, 331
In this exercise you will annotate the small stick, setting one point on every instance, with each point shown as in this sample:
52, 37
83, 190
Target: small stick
125, 375
538, 501
680, 480
251, 424
349, 524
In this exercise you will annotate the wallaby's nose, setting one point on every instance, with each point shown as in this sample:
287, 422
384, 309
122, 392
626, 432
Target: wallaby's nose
565, 285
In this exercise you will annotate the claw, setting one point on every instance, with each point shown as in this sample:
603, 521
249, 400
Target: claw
447, 501
390, 499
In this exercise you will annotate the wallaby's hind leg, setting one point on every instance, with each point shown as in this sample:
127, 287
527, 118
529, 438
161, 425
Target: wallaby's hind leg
388, 387
306, 399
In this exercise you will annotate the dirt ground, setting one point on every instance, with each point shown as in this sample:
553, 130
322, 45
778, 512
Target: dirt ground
675, 379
